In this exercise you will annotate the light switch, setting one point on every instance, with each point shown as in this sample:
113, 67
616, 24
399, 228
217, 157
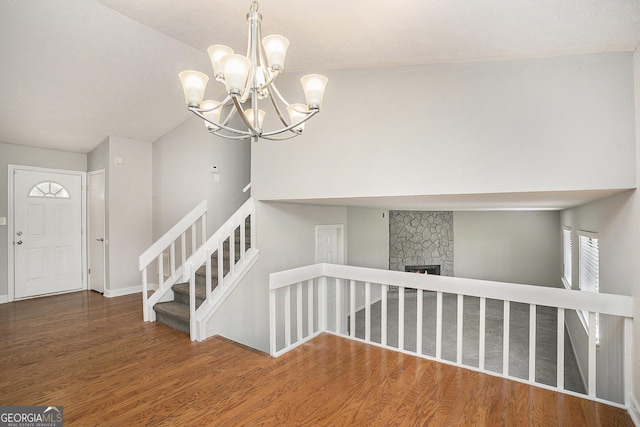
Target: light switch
3, 220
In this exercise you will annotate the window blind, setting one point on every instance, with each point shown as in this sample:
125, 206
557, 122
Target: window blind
589, 271
567, 250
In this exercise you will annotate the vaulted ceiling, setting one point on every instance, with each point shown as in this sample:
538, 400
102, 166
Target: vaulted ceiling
74, 72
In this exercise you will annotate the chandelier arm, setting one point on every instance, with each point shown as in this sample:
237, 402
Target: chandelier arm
275, 132
278, 112
208, 110
279, 95
284, 138
219, 125
272, 77
245, 119
232, 112
234, 137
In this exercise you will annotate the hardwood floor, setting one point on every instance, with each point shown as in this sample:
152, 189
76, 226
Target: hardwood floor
97, 358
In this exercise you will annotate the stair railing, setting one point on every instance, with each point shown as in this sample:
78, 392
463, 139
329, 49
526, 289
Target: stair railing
236, 268
166, 247
307, 301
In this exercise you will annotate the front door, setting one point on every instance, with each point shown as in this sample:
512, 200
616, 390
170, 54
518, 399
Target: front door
47, 227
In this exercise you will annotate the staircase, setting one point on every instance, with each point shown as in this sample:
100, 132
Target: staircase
175, 314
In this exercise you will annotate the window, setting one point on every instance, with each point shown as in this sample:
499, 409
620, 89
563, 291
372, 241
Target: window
566, 255
49, 189
589, 271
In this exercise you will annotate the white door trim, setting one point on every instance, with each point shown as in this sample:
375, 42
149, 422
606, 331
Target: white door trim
10, 221
104, 233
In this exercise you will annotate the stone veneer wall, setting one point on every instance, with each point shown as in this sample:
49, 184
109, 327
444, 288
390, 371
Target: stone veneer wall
421, 238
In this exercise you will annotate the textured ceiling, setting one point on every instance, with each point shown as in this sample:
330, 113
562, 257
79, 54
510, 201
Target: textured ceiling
77, 71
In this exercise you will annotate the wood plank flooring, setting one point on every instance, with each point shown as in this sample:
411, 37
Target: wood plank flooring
97, 358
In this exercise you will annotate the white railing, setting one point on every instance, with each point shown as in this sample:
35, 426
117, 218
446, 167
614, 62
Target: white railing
163, 251
307, 301
236, 268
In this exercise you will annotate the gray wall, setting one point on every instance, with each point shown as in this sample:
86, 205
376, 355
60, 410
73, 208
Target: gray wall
503, 126
509, 246
286, 239
128, 212
27, 156
181, 177
368, 237
612, 218
128, 216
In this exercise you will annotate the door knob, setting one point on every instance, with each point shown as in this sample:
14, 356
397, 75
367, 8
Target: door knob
19, 233
100, 239
19, 242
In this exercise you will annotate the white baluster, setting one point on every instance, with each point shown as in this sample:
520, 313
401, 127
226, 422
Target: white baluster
145, 291
352, 308
193, 238
338, 306
367, 311
400, 317
299, 310
419, 305
383, 316
207, 263
323, 306
172, 258
482, 335
272, 319
310, 305
592, 355
505, 337
560, 350
287, 316
439, 325
627, 360
532, 342
460, 328
183, 248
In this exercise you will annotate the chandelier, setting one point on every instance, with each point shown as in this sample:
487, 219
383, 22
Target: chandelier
248, 80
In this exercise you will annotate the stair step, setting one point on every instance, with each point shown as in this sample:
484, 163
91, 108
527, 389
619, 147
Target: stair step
173, 314
181, 294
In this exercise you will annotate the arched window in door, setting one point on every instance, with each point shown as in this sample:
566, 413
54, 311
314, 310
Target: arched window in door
49, 189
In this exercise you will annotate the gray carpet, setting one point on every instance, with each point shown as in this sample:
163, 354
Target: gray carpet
546, 335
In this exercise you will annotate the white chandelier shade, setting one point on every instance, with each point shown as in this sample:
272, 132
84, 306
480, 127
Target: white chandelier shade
248, 80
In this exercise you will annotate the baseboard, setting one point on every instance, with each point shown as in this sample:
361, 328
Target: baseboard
4, 299
113, 293
634, 410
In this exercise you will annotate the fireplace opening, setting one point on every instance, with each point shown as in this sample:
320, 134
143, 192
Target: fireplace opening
423, 269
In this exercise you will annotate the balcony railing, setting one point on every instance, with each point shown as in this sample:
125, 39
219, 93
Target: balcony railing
360, 303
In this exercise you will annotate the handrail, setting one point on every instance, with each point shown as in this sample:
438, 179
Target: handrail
246, 188
297, 321
170, 236
617, 305
177, 234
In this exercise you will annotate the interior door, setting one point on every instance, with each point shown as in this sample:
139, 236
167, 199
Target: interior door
330, 249
96, 231
47, 224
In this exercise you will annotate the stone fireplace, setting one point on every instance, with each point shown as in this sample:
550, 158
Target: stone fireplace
421, 239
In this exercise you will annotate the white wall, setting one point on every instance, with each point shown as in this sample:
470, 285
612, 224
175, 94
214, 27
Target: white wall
286, 239
633, 213
368, 237
509, 246
27, 156
128, 212
503, 126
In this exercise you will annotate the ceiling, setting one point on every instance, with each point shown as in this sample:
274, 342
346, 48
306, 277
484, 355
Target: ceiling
77, 71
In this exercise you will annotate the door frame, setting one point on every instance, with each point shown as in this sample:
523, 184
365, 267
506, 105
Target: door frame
342, 255
10, 221
104, 232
